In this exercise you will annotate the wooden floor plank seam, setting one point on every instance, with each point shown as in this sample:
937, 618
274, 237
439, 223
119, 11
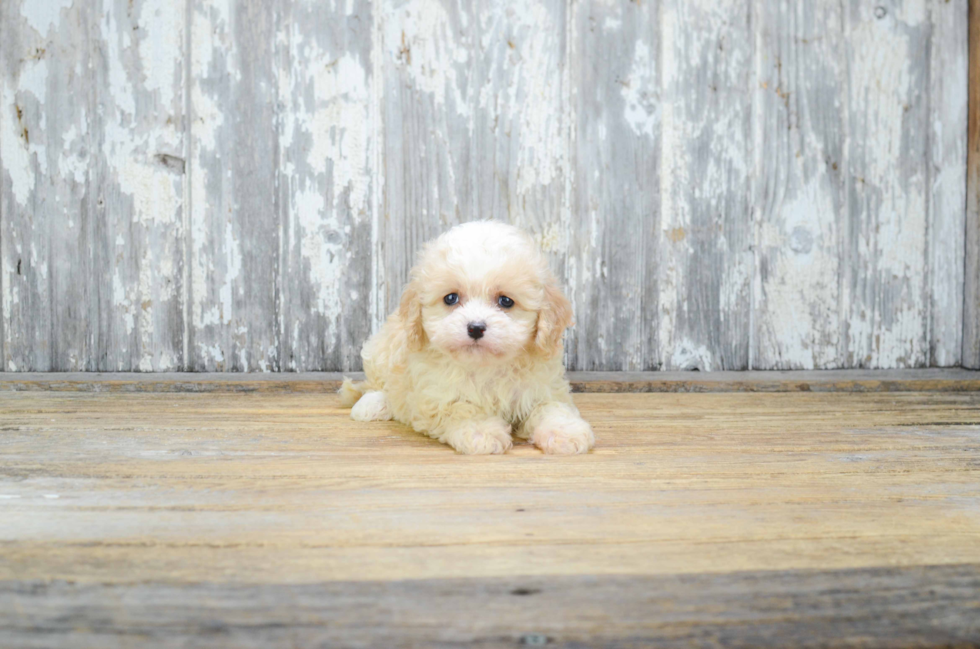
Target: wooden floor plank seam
916, 380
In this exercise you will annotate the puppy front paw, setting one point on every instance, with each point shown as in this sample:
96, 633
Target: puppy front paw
479, 437
561, 433
372, 406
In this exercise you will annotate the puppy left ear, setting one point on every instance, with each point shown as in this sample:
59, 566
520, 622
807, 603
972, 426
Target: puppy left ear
410, 314
555, 316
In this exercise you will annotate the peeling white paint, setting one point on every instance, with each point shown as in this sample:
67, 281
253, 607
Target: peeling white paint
948, 102
801, 295
551, 239
688, 355
640, 94
420, 37
531, 101
120, 86
233, 268
162, 34
889, 330
14, 151
339, 127
42, 15
34, 79
485, 99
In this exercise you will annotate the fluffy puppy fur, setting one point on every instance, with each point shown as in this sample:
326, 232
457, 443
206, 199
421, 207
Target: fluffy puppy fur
425, 368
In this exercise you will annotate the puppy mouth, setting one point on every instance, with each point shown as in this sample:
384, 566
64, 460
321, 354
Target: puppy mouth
478, 347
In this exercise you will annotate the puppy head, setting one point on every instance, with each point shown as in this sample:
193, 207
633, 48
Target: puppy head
483, 292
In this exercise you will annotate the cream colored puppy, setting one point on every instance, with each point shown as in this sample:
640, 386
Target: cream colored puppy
473, 355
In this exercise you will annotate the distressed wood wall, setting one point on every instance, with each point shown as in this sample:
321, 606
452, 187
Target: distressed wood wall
721, 184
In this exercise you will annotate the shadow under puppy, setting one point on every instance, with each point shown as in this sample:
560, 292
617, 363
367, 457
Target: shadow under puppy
473, 354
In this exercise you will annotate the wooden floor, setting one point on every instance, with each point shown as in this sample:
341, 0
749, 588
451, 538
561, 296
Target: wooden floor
268, 520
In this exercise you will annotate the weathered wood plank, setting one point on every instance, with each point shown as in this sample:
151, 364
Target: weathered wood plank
615, 210
92, 154
901, 607
35, 118
885, 289
920, 380
270, 489
428, 50
259, 520
327, 137
971, 286
329, 141
705, 238
235, 227
947, 129
799, 198
475, 124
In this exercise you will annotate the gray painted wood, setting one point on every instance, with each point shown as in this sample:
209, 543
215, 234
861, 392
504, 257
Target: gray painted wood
947, 124
799, 198
235, 226
705, 257
903, 606
91, 150
971, 279
884, 257
475, 123
326, 182
720, 185
615, 215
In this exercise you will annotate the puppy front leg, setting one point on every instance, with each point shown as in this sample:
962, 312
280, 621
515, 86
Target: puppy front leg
372, 406
471, 432
556, 428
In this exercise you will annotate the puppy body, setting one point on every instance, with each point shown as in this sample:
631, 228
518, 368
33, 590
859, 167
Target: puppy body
428, 369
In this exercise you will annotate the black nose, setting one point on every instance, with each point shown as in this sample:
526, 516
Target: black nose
475, 330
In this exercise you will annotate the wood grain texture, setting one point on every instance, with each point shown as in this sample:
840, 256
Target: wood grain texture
235, 225
947, 123
888, 191
475, 123
326, 183
611, 260
705, 239
932, 606
242, 185
799, 196
91, 151
257, 515
922, 380
971, 285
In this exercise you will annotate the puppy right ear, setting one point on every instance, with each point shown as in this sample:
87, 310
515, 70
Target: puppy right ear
410, 314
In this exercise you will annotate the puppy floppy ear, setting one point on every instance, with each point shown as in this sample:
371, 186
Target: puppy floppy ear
554, 317
410, 313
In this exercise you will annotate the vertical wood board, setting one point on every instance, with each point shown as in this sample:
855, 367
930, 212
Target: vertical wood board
91, 150
971, 283
798, 197
705, 258
326, 137
611, 257
242, 185
474, 123
235, 225
885, 255
947, 129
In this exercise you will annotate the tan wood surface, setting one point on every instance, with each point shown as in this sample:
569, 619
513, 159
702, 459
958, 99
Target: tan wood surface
228, 519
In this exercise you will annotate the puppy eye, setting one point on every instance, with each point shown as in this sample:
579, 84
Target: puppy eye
451, 299
505, 301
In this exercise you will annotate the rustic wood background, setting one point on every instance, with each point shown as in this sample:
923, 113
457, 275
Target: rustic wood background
241, 184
